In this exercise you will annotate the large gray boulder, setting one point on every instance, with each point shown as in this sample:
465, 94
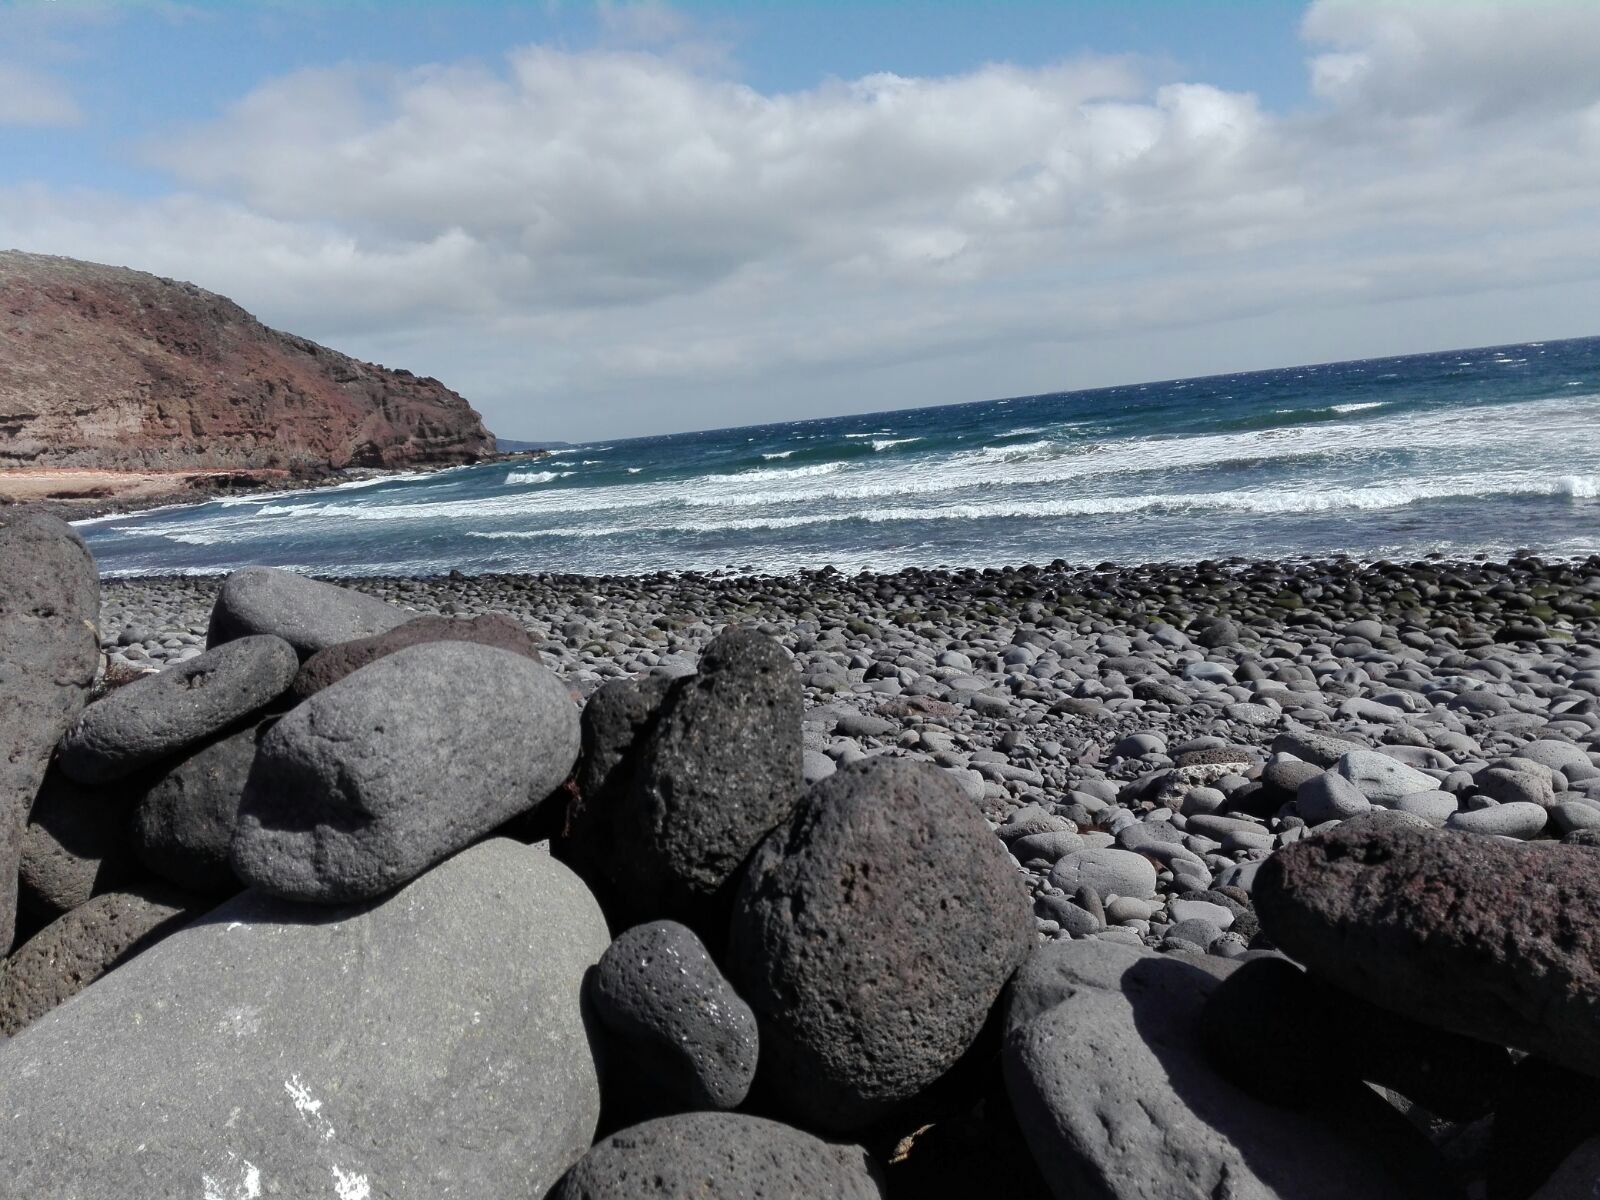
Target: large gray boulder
72, 952
161, 715
1486, 938
431, 1045
720, 768
49, 652
681, 1038
399, 765
183, 826
1103, 1065
306, 613
719, 1156
885, 896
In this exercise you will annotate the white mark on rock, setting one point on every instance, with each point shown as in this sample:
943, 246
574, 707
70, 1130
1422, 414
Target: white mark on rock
350, 1186
241, 1020
248, 1187
308, 1106
232, 925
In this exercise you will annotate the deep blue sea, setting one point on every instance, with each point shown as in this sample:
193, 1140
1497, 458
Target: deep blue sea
1484, 450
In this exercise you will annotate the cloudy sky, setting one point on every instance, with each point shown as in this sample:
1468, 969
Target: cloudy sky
616, 219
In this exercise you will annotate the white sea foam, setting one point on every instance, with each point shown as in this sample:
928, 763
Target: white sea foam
1362, 407
778, 454
890, 443
529, 477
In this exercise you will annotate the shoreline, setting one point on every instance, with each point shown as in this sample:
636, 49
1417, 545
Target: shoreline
77, 494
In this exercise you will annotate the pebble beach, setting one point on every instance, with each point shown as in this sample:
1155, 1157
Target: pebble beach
1246, 878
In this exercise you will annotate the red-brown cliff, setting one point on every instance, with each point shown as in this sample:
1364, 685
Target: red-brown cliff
114, 368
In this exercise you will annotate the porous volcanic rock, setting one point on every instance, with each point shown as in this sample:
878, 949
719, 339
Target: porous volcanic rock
335, 662
114, 368
884, 895
719, 1156
49, 650
720, 768
1467, 933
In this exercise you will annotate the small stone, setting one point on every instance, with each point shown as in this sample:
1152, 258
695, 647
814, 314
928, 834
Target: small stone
333, 663
1328, 796
1109, 872
1381, 779
683, 1035
1517, 819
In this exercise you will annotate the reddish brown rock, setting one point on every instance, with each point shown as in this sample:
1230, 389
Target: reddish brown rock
334, 663
110, 367
1466, 933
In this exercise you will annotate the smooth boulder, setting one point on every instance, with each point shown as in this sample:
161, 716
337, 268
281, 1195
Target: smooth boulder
161, 715
719, 1156
1485, 938
332, 664
885, 894
308, 614
399, 765
49, 611
682, 1039
431, 1045
720, 768
1104, 1069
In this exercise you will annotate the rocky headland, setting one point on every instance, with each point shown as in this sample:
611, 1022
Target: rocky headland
1227, 880
118, 384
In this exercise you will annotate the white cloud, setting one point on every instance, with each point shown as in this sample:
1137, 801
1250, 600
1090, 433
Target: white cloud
626, 238
32, 98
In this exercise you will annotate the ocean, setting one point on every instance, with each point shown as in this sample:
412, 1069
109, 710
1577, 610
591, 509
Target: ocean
1465, 452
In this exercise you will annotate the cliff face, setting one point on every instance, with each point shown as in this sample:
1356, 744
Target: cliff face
113, 368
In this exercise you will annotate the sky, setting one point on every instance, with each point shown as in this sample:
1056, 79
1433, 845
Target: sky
616, 219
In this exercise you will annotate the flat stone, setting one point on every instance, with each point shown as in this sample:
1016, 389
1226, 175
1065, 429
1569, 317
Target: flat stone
335, 662
1433, 807
1517, 819
49, 609
75, 950
1380, 778
682, 1033
719, 1156
399, 765
161, 715
1471, 934
183, 826
430, 1045
1103, 1067
1322, 749
886, 894
1109, 872
1514, 787
719, 770
308, 614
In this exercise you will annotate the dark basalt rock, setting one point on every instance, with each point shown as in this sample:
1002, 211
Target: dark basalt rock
1459, 931
720, 769
49, 608
719, 1156
885, 895
334, 663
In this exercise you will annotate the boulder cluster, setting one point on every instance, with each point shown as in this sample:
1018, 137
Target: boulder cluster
1109, 898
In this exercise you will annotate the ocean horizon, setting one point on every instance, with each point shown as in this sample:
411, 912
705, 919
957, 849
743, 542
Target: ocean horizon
1459, 453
